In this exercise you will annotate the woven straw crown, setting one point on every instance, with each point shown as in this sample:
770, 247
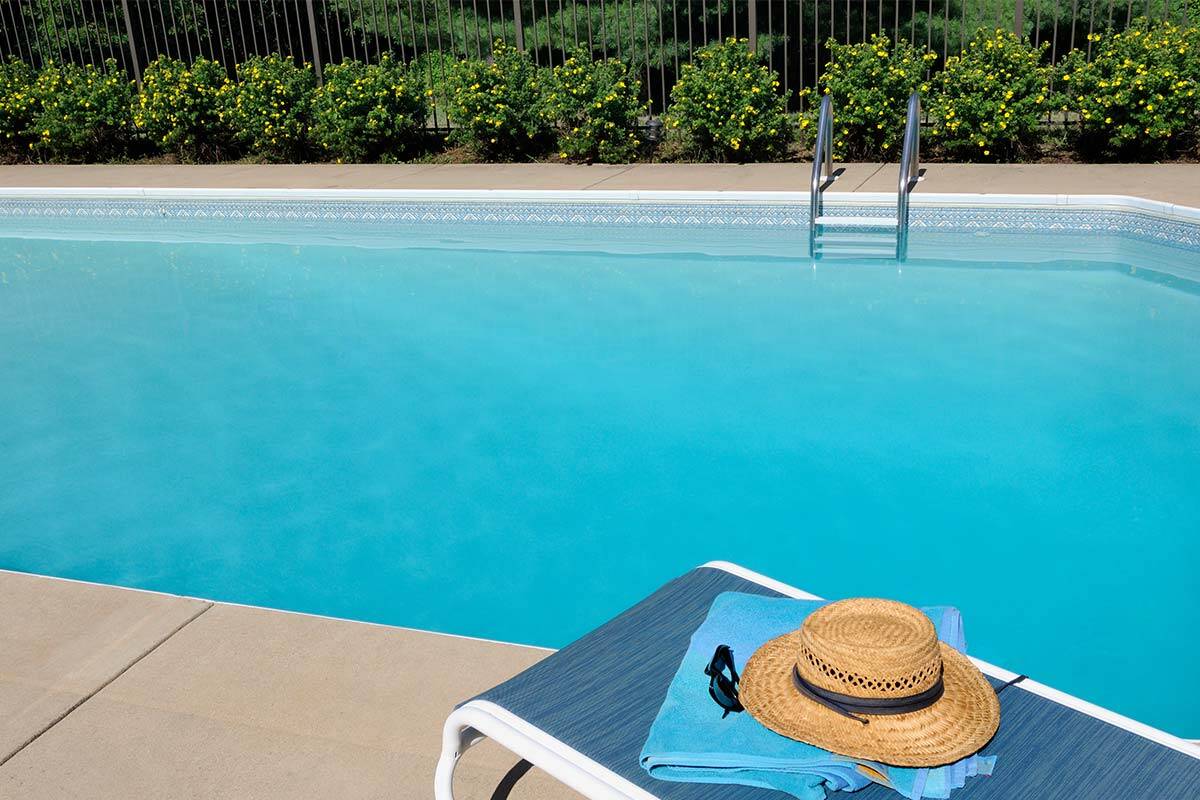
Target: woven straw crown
873, 650
870, 648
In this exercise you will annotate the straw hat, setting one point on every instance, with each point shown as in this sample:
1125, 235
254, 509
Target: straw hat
869, 679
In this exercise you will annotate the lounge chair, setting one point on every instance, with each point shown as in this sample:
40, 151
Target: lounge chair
582, 715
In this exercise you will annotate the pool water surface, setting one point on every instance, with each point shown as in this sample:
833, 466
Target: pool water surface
518, 445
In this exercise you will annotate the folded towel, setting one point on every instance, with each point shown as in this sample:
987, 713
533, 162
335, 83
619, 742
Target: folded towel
690, 742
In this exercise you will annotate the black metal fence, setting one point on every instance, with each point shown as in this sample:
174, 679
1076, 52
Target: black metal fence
655, 36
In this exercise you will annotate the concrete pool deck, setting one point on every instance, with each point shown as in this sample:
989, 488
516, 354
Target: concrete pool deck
115, 694
1170, 183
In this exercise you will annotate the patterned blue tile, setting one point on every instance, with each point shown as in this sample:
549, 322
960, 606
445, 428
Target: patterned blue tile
735, 215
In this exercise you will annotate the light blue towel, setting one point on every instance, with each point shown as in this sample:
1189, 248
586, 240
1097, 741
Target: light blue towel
689, 742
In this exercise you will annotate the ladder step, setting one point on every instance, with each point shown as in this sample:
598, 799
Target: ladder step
857, 222
856, 252
875, 237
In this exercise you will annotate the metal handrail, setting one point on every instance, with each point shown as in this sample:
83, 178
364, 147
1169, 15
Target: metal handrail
822, 157
910, 172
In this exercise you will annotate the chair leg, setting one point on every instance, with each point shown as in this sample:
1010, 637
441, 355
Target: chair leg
505, 787
457, 737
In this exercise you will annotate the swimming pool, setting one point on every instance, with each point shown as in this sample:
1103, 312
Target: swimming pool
514, 419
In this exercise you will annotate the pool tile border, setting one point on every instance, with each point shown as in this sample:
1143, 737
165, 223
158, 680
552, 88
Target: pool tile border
1145, 220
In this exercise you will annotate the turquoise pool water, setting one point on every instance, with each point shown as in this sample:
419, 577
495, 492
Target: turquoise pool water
518, 445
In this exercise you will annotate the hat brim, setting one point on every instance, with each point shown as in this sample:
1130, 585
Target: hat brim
957, 725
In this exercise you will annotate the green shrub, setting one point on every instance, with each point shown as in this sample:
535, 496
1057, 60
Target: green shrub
729, 105
595, 106
270, 107
431, 72
83, 113
1139, 97
496, 107
180, 108
367, 112
17, 108
988, 103
870, 84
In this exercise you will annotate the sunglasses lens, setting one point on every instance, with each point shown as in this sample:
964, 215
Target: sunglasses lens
723, 691
722, 683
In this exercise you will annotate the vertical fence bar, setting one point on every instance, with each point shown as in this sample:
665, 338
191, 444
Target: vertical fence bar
929, 27
1091, 26
591, 45
20, 43
175, 30
1054, 32
275, 27
207, 29
518, 28
375, 23
114, 47
1019, 18
88, 56
662, 67
51, 25
801, 40
253, 40
562, 32
816, 41
475, 14
752, 23
312, 37
491, 37
133, 53
646, 46
11, 35
166, 37
296, 43
8, 42
241, 32
1074, 9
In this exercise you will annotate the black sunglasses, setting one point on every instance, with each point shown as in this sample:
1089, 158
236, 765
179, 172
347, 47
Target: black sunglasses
723, 680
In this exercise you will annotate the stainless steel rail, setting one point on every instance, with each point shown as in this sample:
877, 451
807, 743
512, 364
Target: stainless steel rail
822, 168
910, 172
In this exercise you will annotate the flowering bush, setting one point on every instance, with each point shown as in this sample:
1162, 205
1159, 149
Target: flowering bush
495, 106
83, 113
729, 105
180, 108
17, 107
270, 107
1140, 95
367, 112
987, 103
870, 84
595, 106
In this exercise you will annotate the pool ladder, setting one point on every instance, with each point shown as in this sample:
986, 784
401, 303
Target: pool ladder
861, 237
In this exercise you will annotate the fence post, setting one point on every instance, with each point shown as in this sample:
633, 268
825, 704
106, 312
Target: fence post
516, 4
752, 23
1019, 19
133, 56
316, 47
